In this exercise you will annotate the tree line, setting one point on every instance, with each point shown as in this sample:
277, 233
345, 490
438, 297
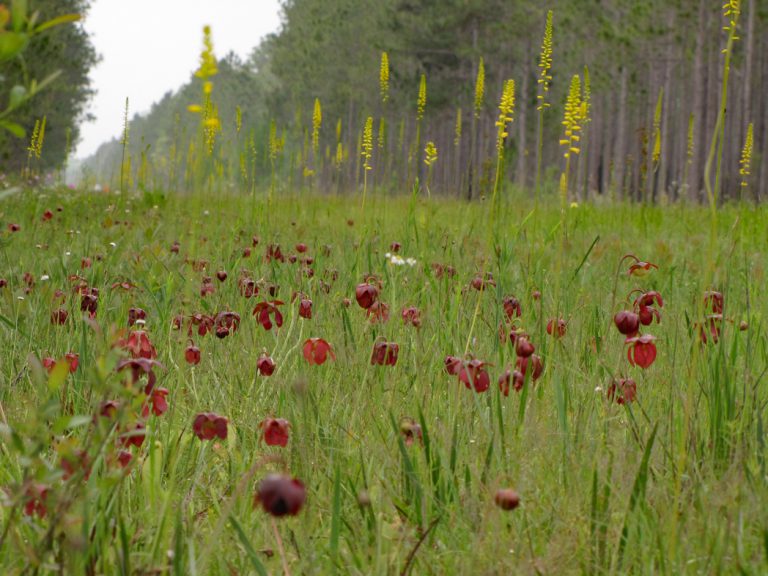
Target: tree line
293, 115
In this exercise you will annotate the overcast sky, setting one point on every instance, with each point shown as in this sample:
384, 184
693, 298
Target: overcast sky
151, 46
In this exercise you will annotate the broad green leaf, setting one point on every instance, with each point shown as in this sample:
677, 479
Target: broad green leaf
13, 128
18, 14
64, 19
11, 43
17, 96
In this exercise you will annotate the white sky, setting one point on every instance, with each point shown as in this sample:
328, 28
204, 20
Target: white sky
151, 46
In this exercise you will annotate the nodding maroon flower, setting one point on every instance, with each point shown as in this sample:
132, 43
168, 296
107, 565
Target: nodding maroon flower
411, 315
208, 426
533, 360
14, 227
73, 359
157, 398
35, 498
124, 458
3, 282
516, 378
135, 314
227, 323
512, 307
474, 375
192, 354
442, 270
248, 288
316, 351
47, 216
207, 287
301, 248
59, 316
385, 354
410, 431
221, 275
177, 322
29, 279
139, 367
641, 350
453, 365
523, 347
743, 326
480, 283
305, 308
395, 247
714, 302
713, 325
275, 431
124, 285
557, 328
644, 305
175, 247
623, 391
246, 252
134, 436
627, 322
378, 313
639, 267
265, 365
366, 295
203, 322
280, 495
138, 345
85, 263
263, 310
255, 241
108, 409
74, 460
346, 302
536, 295
49, 363
507, 499
89, 301
274, 253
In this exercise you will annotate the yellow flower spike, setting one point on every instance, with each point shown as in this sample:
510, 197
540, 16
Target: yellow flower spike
746, 156
479, 88
545, 64
506, 109
421, 103
317, 121
196, 108
367, 146
430, 154
384, 77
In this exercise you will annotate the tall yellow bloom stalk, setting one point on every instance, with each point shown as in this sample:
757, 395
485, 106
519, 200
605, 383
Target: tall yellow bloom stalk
545, 78
317, 122
479, 88
572, 125
366, 152
506, 112
421, 102
384, 77
746, 157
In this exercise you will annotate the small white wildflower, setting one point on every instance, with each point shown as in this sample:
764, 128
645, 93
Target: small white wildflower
397, 260
410, 261
20, 297
206, 213
599, 389
67, 253
113, 245
388, 255
44, 278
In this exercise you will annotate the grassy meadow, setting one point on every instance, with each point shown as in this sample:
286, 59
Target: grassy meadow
402, 464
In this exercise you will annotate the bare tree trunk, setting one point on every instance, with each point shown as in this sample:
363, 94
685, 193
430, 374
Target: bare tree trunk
699, 105
522, 142
621, 136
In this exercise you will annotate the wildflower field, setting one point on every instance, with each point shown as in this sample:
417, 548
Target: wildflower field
450, 405
449, 316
